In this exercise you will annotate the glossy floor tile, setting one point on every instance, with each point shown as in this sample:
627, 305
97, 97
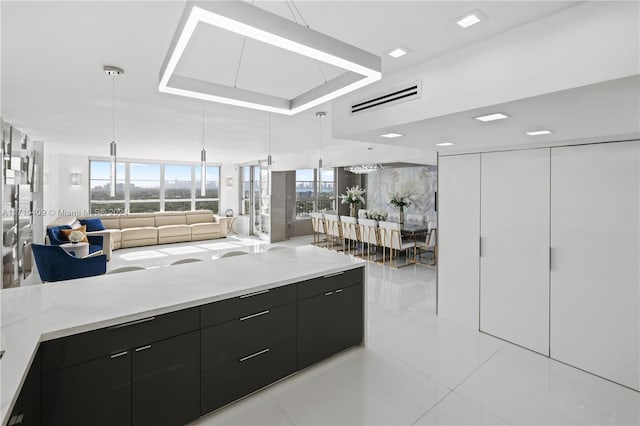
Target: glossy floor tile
458, 410
526, 388
257, 409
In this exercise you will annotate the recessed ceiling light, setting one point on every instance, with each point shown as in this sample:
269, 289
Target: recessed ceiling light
391, 135
445, 144
492, 117
470, 19
539, 132
398, 52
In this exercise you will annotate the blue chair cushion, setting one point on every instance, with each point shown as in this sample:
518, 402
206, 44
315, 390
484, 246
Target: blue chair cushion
55, 235
93, 224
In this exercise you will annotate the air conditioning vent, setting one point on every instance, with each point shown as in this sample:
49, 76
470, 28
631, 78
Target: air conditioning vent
401, 94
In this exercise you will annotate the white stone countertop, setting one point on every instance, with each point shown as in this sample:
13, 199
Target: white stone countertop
34, 314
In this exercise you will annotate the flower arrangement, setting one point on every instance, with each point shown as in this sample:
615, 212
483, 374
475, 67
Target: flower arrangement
353, 196
76, 236
401, 201
377, 215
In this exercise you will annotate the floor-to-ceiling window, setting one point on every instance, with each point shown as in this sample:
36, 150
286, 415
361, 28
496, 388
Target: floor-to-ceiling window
100, 188
150, 187
315, 191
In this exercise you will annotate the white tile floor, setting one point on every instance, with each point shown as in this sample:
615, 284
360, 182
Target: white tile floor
417, 368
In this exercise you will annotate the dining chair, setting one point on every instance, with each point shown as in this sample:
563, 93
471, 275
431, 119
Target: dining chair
417, 219
362, 213
350, 232
334, 230
429, 246
368, 235
391, 238
393, 217
319, 228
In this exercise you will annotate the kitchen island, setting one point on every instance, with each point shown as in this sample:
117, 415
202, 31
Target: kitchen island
174, 343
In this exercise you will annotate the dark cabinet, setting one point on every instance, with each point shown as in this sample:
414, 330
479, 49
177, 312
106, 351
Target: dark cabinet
249, 373
97, 392
166, 381
329, 323
169, 369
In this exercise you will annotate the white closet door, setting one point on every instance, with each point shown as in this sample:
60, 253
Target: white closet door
514, 263
595, 270
458, 234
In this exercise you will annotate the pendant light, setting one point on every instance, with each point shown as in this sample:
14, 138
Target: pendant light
320, 115
113, 72
203, 161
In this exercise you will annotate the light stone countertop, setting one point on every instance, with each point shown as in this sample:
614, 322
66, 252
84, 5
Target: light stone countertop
34, 314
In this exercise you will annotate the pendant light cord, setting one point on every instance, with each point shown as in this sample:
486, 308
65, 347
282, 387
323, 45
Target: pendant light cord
324, 77
244, 41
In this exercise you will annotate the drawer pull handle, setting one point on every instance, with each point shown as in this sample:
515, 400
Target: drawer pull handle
254, 294
264, 351
115, 327
329, 293
339, 291
254, 315
334, 275
119, 354
143, 348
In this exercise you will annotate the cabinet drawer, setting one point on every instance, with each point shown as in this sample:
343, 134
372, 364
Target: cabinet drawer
330, 282
232, 340
82, 347
238, 307
253, 371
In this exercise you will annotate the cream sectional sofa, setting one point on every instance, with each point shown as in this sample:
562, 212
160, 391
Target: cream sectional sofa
147, 229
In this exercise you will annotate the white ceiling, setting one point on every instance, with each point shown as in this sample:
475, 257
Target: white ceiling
53, 86
598, 112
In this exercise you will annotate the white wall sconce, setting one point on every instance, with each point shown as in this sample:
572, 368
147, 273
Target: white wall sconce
229, 181
76, 178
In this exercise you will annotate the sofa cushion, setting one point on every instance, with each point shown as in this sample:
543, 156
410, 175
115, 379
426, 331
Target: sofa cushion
141, 221
170, 218
139, 233
174, 230
199, 216
109, 221
93, 224
205, 228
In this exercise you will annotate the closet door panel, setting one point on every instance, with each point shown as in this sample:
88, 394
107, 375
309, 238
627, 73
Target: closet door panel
514, 262
458, 235
595, 273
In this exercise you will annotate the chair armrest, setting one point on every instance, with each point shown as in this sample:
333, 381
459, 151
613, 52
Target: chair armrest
96, 240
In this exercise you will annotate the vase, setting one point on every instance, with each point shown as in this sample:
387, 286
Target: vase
401, 217
352, 210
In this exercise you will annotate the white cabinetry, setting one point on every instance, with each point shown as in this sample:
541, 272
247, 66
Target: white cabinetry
514, 262
595, 272
560, 265
459, 223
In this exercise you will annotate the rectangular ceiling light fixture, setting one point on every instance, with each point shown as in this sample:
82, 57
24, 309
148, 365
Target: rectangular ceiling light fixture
362, 68
391, 135
539, 132
492, 117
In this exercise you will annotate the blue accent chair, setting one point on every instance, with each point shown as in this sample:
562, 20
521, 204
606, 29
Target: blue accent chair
56, 238
55, 264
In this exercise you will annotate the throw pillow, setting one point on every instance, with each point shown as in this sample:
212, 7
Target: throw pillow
93, 224
82, 229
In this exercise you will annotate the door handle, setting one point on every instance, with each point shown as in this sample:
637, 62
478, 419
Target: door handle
254, 315
119, 354
143, 348
479, 246
254, 294
328, 293
550, 260
264, 351
115, 327
339, 291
